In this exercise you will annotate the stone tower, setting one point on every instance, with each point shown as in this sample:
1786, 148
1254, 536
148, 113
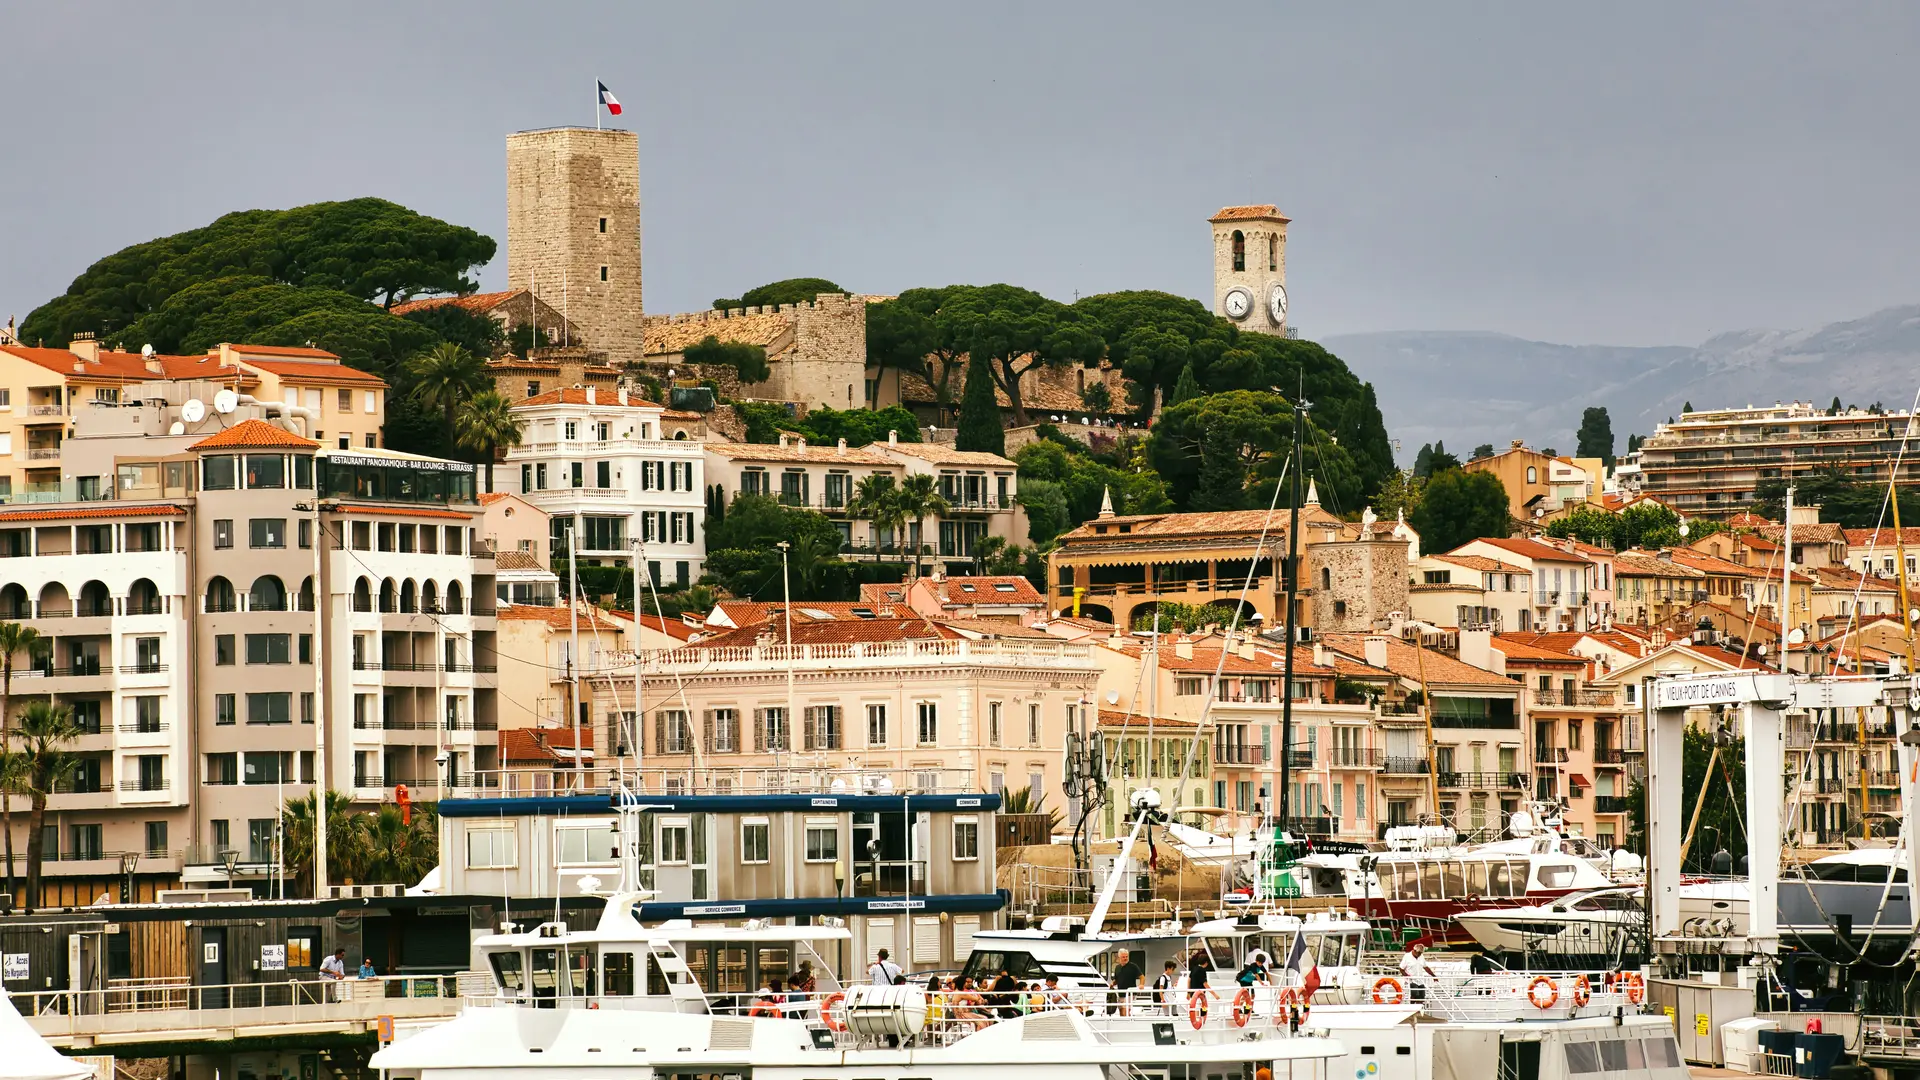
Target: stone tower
1250, 267
573, 230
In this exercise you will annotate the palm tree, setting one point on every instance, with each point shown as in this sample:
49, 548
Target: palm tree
443, 377
1027, 801
46, 730
400, 853
485, 424
917, 497
873, 501
346, 846
14, 638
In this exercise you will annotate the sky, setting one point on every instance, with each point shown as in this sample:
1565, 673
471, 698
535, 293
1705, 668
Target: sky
1627, 173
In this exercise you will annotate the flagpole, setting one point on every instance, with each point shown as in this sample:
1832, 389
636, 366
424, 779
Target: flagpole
596, 105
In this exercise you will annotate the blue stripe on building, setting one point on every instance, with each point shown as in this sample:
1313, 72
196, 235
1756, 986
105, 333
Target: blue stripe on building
825, 905
566, 805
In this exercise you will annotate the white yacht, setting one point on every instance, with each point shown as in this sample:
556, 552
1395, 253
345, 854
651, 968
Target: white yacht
1600, 923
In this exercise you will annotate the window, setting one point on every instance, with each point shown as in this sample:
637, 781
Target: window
86, 842
673, 842
223, 649
492, 849
670, 732
266, 471
371, 405
603, 224
769, 730
585, 845
146, 713
1189, 687
822, 727
603, 273
723, 731
755, 835
261, 768
223, 710
823, 841
1033, 724
1533, 475
928, 729
218, 473
966, 839
306, 648
268, 649
993, 723
269, 708
1239, 250
223, 532
156, 839
876, 725
616, 972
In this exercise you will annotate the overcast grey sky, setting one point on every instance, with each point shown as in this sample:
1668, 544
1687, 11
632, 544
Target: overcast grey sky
1622, 173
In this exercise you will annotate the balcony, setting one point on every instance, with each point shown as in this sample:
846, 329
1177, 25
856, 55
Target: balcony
1883, 778
1404, 766
1299, 759
1549, 755
1486, 781
43, 453
1585, 699
144, 784
1609, 755
1611, 804
1354, 757
45, 410
1239, 755
1830, 785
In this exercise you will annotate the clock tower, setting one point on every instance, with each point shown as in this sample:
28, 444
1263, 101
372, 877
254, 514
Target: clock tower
1250, 268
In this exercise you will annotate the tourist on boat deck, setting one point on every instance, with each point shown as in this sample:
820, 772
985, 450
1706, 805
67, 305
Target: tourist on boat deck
1006, 991
1255, 970
1056, 998
770, 997
884, 972
802, 981
936, 1000
1126, 979
968, 1005
1167, 980
366, 968
1413, 966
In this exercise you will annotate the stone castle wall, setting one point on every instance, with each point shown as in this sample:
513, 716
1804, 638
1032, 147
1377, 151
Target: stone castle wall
818, 354
573, 209
1368, 580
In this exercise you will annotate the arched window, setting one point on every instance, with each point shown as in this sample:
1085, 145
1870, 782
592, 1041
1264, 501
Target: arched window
95, 599
269, 593
1239, 250
54, 601
430, 597
14, 603
220, 596
408, 596
1533, 475
1273, 251
363, 595
306, 594
389, 596
1326, 579
455, 598
143, 598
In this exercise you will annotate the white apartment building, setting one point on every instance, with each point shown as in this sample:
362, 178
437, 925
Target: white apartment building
596, 462
1563, 581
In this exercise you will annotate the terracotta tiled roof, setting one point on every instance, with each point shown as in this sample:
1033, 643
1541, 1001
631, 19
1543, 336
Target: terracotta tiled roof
406, 511
1835, 577
1883, 538
255, 434
664, 336
850, 631
1822, 533
672, 627
490, 497
1405, 661
537, 746
1643, 564
1515, 647
478, 303
1565, 640
825, 455
940, 454
516, 560
1249, 213
126, 367
1710, 564
1725, 656
1747, 519
306, 372
577, 395
1118, 718
558, 618
958, 591
1484, 564
95, 510
1531, 549
291, 352
1216, 524
990, 628
519, 365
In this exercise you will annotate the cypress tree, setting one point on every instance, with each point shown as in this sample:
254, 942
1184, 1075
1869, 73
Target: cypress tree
1186, 388
980, 428
1222, 481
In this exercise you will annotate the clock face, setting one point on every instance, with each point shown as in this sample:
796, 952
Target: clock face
1238, 303
1277, 303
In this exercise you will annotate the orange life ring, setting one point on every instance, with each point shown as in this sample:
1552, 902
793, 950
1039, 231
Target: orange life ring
1290, 995
1636, 987
828, 1017
1386, 983
764, 1008
1197, 1008
1243, 1006
1552, 996
1582, 991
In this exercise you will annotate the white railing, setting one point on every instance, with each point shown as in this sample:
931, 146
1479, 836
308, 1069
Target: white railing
720, 780
692, 659
1453, 993
176, 1010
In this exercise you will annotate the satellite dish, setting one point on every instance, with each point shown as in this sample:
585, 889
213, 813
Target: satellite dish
1113, 697
146, 351
193, 411
177, 428
1796, 636
225, 401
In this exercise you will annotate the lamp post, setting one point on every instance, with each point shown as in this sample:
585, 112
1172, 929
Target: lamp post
128, 860
228, 858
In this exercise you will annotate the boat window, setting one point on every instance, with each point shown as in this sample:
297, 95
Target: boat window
1430, 882
1220, 950
1500, 879
507, 973
1476, 883
616, 973
1662, 1053
1582, 1058
1613, 1054
986, 965
1556, 875
776, 963
1406, 880
657, 977
544, 973
1453, 878
731, 976
580, 981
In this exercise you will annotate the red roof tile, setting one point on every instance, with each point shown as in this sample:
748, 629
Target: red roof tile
125, 367
95, 511
1407, 662
478, 303
1008, 589
1250, 213
255, 434
291, 352
407, 511
537, 746
1531, 549
557, 618
315, 371
577, 395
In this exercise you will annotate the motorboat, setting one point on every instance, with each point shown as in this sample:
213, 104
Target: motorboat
1861, 892
1599, 923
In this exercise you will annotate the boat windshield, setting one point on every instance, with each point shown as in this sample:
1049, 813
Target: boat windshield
507, 974
1436, 879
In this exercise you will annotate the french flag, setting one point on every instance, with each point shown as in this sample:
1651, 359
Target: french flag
606, 98
1301, 959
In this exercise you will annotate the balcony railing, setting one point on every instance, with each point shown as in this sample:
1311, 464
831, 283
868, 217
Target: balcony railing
143, 727
1549, 755
1883, 778
43, 453
1611, 804
159, 784
1830, 785
142, 669
1563, 697
1299, 759
1485, 780
1609, 755
45, 410
1239, 755
1405, 766
1354, 757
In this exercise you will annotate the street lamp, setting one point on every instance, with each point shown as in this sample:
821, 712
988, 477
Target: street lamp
229, 857
128, 860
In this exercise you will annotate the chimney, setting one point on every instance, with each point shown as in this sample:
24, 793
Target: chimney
1376, 649
85, 346
893, 437
1518, 443
1183, 647
592, 399
801, 440
841, 448
623, 395
1319, 654
783, 439
1245, 648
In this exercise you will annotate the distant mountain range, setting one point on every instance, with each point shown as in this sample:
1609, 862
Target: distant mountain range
1468, 387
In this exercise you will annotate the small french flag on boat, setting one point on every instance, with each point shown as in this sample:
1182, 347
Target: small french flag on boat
606, 98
